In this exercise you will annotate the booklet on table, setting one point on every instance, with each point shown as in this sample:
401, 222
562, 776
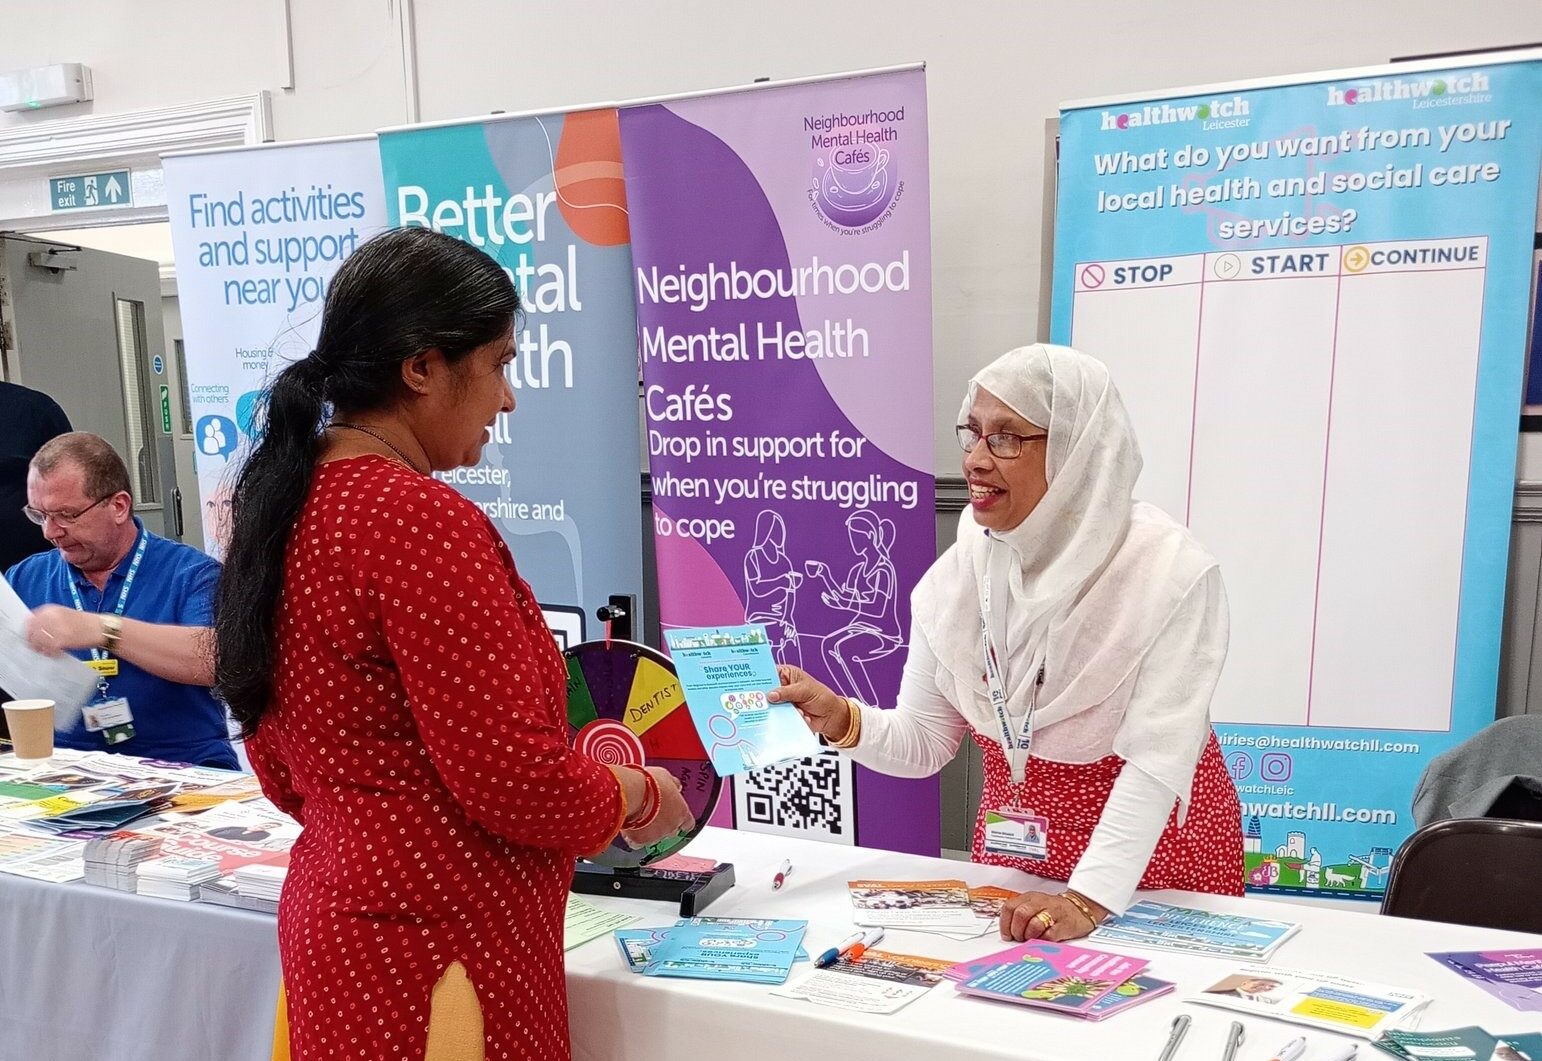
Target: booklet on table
1512, 976
928, 905
727, 952
637, 945
1132, 992
1317, 1000
1456, 1044
1160, 926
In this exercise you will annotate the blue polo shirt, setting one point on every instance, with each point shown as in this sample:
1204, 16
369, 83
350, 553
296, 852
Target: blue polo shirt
175, 584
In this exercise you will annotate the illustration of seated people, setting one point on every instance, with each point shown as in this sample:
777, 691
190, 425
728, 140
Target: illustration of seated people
771, 588
871, 593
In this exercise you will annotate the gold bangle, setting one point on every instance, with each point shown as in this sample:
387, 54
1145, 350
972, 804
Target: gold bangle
853, 726
1081, 904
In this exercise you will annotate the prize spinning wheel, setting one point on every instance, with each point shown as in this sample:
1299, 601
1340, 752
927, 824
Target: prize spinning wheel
625, 708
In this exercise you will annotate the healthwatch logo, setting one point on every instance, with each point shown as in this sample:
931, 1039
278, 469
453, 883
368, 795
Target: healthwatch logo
1423, 91
1216, 114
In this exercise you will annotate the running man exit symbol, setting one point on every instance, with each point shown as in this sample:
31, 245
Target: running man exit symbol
91, 191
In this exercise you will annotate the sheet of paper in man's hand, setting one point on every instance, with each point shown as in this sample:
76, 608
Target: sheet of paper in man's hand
29, 675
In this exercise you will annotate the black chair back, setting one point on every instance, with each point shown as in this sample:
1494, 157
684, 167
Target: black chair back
1483, 872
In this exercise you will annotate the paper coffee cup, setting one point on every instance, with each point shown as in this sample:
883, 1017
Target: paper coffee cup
32, 728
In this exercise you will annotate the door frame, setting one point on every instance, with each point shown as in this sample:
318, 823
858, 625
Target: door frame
32, 152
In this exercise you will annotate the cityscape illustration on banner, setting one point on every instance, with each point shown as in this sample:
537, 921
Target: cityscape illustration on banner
781, 238
1314, 298
543, 195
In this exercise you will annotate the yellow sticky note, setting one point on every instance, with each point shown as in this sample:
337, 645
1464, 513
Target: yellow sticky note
59, 804
1343, 1013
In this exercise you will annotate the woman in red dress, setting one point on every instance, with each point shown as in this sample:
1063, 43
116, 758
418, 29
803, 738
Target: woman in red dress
1077, 635
401, 695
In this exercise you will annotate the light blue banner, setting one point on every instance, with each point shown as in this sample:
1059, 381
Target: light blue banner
544, 196
1314, 298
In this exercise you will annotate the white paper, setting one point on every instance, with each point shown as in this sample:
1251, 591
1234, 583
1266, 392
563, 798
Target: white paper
29, 675
1318, 1000
856, 993
42, 858
878, 982
585, 921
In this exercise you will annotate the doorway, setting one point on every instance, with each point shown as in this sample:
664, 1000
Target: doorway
87, 322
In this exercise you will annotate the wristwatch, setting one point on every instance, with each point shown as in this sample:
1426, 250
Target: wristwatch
112, 629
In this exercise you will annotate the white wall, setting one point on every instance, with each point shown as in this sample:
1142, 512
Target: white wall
997, 69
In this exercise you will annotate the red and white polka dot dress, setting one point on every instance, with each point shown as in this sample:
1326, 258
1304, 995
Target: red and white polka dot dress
419, 734
1204, 855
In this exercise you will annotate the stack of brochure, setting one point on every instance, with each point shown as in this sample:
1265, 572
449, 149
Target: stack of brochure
1078, 981
710, 948
176, 877
222, 891
103, 809
942, 907
1512, 976
1158, 926
261, 881
113, 861
1472, 1042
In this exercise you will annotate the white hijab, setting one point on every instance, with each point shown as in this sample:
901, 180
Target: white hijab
1086, 583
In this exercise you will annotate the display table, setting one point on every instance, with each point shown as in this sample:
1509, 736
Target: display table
617, 1014
91, 974
102, 975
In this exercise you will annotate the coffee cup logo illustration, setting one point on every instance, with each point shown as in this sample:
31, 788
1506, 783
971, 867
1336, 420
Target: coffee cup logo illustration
855, 184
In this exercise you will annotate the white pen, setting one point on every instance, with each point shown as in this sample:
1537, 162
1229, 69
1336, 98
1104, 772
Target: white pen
871, 938
1291, 1050
1349, 1053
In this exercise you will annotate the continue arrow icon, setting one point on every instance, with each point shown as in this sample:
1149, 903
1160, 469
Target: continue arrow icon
114, 190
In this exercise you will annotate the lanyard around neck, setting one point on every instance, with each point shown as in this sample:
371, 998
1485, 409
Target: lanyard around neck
1016, 742
123, 594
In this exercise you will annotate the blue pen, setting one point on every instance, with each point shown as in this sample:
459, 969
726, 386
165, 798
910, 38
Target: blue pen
833, 955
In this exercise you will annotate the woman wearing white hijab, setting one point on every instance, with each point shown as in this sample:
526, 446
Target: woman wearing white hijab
1077, 635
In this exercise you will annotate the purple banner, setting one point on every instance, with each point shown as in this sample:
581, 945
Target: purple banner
782, 254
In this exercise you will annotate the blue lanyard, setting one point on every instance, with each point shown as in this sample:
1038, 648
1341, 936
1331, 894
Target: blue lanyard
128, 582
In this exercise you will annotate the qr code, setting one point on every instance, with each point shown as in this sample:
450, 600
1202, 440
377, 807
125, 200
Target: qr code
809, 798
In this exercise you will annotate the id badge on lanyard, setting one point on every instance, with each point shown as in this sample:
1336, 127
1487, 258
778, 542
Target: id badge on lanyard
1013, 829
110, 715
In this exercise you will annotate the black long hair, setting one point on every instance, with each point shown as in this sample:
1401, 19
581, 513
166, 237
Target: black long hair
401, 293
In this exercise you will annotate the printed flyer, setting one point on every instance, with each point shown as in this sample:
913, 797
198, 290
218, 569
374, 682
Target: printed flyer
726, 673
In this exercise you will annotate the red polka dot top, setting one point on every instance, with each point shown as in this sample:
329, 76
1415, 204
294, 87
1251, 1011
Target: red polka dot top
419, 734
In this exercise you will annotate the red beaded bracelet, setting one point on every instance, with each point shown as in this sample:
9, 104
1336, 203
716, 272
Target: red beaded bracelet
653, 802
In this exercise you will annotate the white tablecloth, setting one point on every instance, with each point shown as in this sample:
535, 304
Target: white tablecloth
99, 975
617, 1014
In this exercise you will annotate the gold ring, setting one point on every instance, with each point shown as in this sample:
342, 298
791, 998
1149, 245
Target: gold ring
1045, 918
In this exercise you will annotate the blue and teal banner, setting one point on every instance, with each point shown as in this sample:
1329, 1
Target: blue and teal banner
1314, 298
545, 197
258, 233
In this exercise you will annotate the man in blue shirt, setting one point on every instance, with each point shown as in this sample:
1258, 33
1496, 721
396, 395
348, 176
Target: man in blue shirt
136, 606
